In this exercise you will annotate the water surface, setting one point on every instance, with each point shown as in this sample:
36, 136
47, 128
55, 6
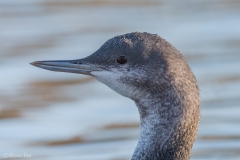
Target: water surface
67, 116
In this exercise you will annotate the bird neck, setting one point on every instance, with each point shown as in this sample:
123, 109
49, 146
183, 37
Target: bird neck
167, 131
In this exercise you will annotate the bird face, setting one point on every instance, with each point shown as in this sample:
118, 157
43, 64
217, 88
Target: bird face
122, 63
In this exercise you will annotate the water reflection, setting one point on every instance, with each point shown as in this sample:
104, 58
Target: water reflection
67, 116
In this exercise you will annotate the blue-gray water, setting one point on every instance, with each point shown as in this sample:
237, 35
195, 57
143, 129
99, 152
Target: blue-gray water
54, 116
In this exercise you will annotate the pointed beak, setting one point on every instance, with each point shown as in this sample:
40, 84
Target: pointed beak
71, 66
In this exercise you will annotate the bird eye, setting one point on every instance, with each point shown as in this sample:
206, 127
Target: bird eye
122, 60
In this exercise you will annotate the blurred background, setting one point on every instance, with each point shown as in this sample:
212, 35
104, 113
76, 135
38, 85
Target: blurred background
54, 116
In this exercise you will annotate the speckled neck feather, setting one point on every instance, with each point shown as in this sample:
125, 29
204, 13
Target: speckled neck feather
168, 127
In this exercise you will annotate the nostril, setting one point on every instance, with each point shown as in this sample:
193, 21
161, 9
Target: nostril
76, 62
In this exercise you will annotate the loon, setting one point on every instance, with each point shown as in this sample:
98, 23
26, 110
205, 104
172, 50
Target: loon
147, 69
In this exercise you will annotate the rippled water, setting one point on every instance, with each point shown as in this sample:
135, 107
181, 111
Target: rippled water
48, 115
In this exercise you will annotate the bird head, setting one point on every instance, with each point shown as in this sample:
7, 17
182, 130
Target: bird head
134, 65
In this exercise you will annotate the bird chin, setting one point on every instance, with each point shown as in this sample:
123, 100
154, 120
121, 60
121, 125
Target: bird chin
112, 80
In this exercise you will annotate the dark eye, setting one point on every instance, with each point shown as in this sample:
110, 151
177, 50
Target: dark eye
122, 60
